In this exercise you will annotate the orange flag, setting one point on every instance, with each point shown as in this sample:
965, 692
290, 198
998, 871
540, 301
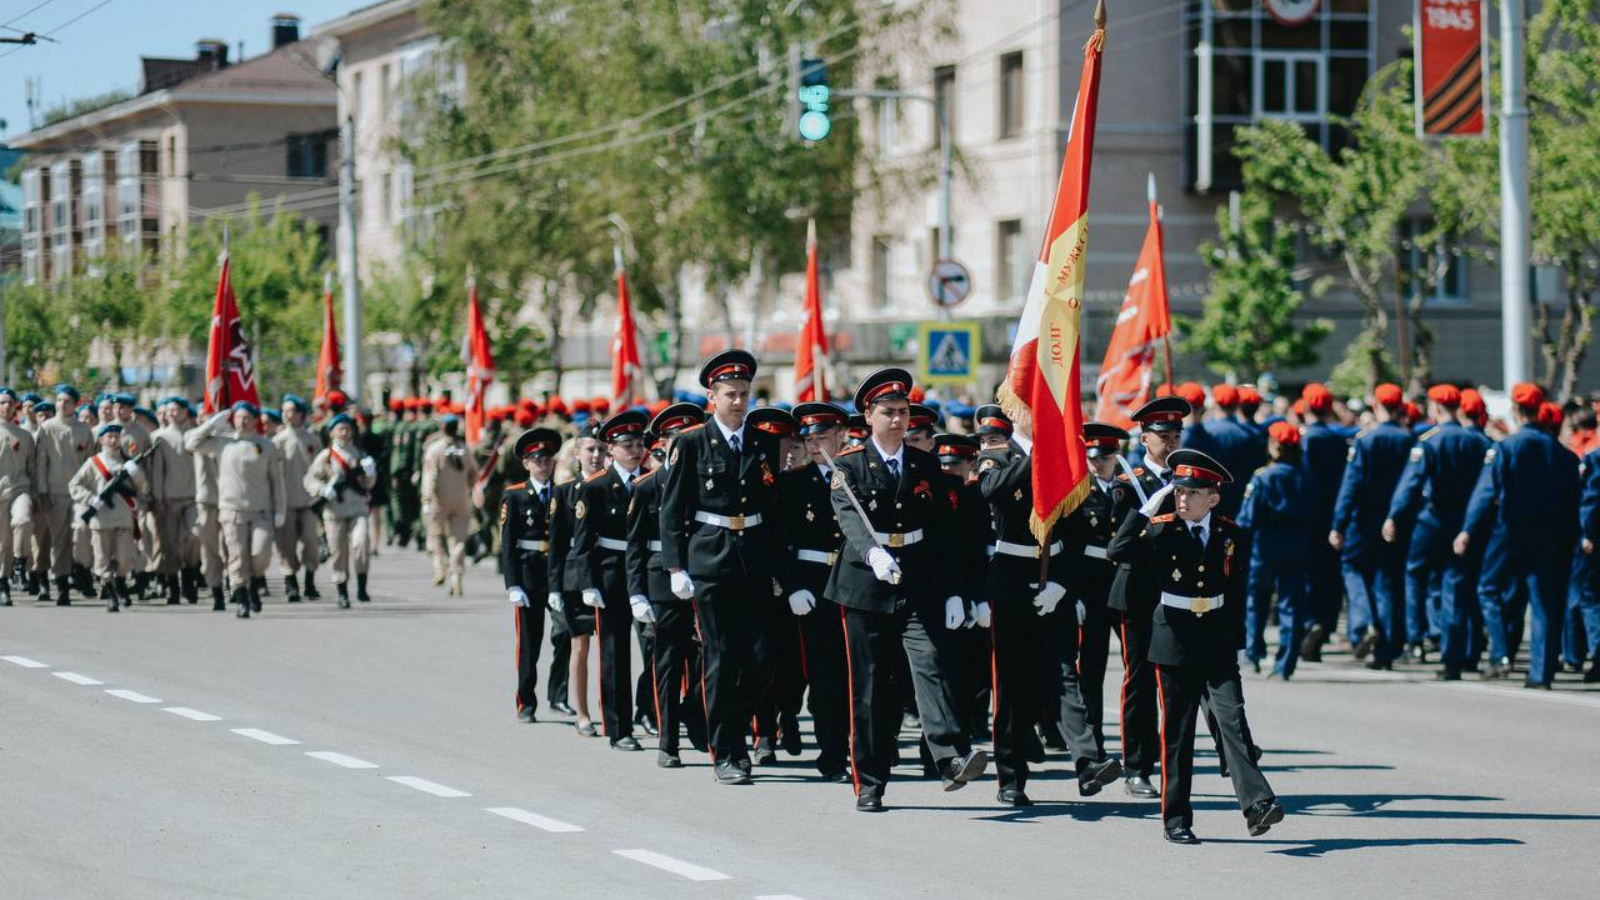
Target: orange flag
811, 353
627, 372
1124, 382
1041, 391
230, 368
479, 361
328, 364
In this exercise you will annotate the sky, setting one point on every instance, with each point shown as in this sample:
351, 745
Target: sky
100, 51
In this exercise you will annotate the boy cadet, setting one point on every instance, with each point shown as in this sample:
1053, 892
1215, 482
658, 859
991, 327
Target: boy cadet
1085, 536
676, 659
17, 456
64, 444
250, 497
1196, 632
172, 493
448, 473
958, 457
893, 579
776, 715
297, 539
525, 555
599, 548
342, 477
718, 542
114, 526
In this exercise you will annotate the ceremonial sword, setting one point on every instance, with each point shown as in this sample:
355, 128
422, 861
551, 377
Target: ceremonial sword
894, 576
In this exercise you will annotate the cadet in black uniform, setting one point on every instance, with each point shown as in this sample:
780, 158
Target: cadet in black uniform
563, 589
676, 662
1160, 430
1085, 536
777, 712
1187, 568
525, 555
811, 538
958, 456
718, 543
895, 578
599, 546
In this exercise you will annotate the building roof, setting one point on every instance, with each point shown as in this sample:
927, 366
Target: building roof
365, 17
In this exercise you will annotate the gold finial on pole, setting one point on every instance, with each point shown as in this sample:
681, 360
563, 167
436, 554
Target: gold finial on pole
1100, 15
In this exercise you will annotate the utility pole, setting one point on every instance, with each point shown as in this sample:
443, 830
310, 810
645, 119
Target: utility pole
354, 384
1515, 217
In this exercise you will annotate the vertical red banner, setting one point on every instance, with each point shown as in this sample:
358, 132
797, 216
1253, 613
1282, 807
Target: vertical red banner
1452, 67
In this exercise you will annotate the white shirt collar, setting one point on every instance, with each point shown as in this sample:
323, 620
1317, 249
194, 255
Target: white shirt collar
1204, 525
539, 487
898, 457
1155, 468
727, 434
627, 476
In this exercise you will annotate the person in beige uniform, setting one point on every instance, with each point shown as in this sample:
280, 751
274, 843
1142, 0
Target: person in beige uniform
208, 526
343, 477
448, 474
16, 482
297, 539
172, 501
113, 527
136, 440
250, 497
62, 446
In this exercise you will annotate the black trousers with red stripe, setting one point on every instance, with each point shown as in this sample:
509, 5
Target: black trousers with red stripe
614, 633
786, 694
1141, 741
676, 662
1033, 659
1183, 689
530, 635
1094, 653
644, 703
828, 697
735, 621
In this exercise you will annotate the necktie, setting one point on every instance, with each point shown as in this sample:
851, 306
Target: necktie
544, 496
894, 469
733, 441
1199, 535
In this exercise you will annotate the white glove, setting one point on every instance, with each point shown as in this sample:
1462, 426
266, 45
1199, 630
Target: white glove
369, 465
1153, 505
1048, 598
682, 585
802, 602
96, 503
955, 613
777, 589
517, 596
328, 493
131, 467
641, 609
884, 568
1081, 610
592, 598
278, 519
982, 615
553, 600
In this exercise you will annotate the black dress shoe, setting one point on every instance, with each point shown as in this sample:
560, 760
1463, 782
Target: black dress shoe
1377, 666
1311, 646
744, 765
1368, 643
840, 777
962, 769
1180, 834
1097, 775
1139, 785
1536, 685
1013, 797
1449, 673
789, 735
564, 709
626, 743
728, 773
1593, 675
869, 803
763, 754
1262, 815
667, 760
526, 714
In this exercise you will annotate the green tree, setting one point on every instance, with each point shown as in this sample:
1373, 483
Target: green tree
1248, 326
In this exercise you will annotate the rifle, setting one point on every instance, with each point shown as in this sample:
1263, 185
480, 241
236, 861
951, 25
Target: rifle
343, 483
119, 484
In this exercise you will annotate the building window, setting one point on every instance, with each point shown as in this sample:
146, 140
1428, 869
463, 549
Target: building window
888, 126
882, 273
1013, 262
308, 155
1011, 110
1450, 284
355, 97
383, 93
172, 156
1291, 86
944, 97
386, 216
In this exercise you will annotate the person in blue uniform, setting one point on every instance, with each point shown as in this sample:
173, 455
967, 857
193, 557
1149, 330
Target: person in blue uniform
1279, 503
1227, 440
1187, 570
1583, 594
525, 555
1430, 503
1374, 570
1525, 510
1324, 448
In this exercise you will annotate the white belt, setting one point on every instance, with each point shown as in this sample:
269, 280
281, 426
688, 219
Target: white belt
817, 556
612, 544
732, 523
654, 546
541, 546
897, 541
1093, 552
1197, 605
1030, 551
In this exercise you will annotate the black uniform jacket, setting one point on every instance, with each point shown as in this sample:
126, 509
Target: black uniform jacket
705, 475
931, 567
646, 577
805, 522
974, 531
1005, 478
523, 518
1164, 558
562, 501
1125, 503
600, 510
1086, 535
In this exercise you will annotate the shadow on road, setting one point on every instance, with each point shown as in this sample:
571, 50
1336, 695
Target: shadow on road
1318, 848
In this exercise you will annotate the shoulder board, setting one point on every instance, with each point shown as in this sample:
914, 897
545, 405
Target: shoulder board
598, 475
641, 478
859, 448
1227, 521
1264, 468
691, 428
1165, 517
517, 487
1429, 433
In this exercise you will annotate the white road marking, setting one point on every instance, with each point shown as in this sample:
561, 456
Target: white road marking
1547, 696
25, 662
675, 866
265, 737
779, 897
194, 714
426, 786
134, 696
339, 759
75, 678
527, 818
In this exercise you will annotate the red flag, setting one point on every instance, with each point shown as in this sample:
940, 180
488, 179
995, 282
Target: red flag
479, 362
1041, 391
627, 372
1124, 382
230, 370
328, 366
811, 353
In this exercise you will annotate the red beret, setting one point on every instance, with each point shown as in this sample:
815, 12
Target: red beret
1284, 433
1445, 395
526, 418
1163, 390
600, 405
1317, 397
1225, 395
1194, 393
395, 404
1249, 397
1413, 411
917, 394
1298, 407
1472, 402
1550, 414
337, 398
1389, 395
1528, 396
580, 405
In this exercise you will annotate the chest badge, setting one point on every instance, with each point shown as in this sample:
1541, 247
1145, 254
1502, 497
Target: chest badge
1018, 494
580, 510
1177, 574
710, 485
872, 505
811, 515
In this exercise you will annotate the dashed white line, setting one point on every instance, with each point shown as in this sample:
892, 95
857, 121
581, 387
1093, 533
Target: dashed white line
779, 897
75, 678
675, 866
339, 759
133, 696
194, 714
555, 826
426, 786
25, 662
265, 737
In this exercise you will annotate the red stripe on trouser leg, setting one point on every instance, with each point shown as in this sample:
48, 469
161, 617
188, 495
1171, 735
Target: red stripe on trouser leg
516, 616
705, 705
1127, 676
599, 642
994, 683
1161, 691
850, 681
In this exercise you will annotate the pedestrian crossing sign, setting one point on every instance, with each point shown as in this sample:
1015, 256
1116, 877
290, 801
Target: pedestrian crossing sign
949, 352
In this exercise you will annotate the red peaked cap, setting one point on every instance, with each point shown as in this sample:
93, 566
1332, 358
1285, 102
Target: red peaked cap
1445, 395
1317, 397
1284, 433
1526, 395
1389, 395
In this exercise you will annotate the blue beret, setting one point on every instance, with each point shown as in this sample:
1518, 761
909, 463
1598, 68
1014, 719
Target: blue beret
295, 401
273, 415
452, 419
8, 392
141, 411
69, 390
108, 428
247, 406
31, 397
342, 419
45, 407
125, 399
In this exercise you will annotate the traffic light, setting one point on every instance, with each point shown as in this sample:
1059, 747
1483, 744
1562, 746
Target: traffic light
814, 94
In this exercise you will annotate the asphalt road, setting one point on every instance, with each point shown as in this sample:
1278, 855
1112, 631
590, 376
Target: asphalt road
312, 752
